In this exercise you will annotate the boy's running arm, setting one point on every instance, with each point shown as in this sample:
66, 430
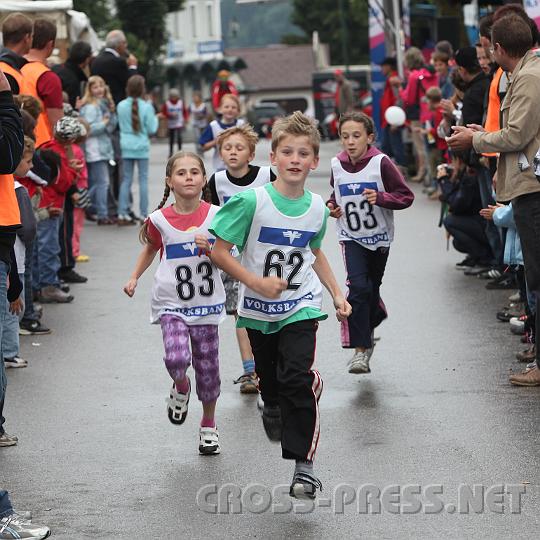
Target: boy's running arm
143, 262
325, 274
270, 287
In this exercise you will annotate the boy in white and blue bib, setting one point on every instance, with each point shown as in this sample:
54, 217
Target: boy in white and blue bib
229, 107
278, 229
368, 187
236, 146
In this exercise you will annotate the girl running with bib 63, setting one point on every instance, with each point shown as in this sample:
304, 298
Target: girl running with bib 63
368, 187
187, 295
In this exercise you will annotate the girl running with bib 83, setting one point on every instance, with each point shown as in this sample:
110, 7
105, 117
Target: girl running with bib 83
187, 295
368, 187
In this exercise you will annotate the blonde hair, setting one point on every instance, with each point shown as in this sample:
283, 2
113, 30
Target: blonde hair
298, 125
169, 168
232, 97
89, 98
245, 130
414, 59
29, 146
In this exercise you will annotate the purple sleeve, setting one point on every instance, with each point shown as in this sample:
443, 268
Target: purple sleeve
398, 195
332, 198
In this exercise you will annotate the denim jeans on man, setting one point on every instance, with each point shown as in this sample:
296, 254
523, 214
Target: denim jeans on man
4, 271
392, 144
128, 166
30, 314
47, 253
98, 186
10, 334
493, 232
527, 217
5, 504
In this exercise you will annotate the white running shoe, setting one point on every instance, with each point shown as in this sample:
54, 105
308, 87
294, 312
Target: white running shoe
209, 441
359, 363
177, 405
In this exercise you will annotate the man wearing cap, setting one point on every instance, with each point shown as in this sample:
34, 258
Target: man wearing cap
221, 86
344, 93
391, 136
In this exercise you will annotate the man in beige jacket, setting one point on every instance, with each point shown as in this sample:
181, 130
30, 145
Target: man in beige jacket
517, 143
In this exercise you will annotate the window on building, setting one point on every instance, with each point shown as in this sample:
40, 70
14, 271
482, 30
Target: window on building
193, 18
210, 19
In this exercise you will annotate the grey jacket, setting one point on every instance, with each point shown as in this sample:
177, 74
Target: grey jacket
519, 139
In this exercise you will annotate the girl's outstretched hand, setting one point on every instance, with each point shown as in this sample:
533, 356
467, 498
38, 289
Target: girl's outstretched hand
203, 245
129, 287
343, 308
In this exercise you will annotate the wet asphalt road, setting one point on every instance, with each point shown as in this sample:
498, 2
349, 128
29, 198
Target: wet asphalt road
97, 457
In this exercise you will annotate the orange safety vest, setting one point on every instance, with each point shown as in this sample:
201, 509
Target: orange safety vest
9, 207
32, 71
24, 87
492, 122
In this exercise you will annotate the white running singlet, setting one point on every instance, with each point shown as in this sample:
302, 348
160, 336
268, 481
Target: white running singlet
278, 245
369, 225
225, 189
186, 285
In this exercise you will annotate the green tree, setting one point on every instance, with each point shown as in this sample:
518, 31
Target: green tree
143, 21
98, 12
324, 17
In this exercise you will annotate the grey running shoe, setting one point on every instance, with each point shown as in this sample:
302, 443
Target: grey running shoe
53, 295
304, 486
248, 383
359, 363
13, 527
8, 440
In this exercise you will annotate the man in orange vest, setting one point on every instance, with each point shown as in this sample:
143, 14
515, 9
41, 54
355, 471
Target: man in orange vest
17, 37
44, 83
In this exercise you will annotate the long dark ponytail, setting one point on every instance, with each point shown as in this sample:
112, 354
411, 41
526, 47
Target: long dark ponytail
135, 89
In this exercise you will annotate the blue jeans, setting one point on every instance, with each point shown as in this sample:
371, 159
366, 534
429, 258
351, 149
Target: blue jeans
128, 166
30, 314
392, 144
4, 271
493, 232
98, 186
5, 504
47, 253
10, 334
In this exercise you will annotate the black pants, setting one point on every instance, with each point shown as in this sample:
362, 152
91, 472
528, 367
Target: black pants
175, 133
283, 362
365, 270
67, 261
469, 236
527, 217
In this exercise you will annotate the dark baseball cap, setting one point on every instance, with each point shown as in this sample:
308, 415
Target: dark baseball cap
389, 61
466, 57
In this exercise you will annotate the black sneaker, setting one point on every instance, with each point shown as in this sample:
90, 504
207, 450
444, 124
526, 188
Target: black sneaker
271, 417
467, 262
507, 282
32, 328
304, 486
72, 277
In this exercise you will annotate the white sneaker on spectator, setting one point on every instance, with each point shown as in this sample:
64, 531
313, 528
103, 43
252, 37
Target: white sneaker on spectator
15, 362
12, 527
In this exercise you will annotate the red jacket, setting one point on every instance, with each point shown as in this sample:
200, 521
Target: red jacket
55, 194
219, 89
389, 98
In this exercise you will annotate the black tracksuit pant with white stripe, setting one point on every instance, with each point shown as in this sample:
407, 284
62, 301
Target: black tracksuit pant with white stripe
283, 362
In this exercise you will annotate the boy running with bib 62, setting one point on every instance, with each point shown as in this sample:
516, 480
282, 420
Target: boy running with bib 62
279, 229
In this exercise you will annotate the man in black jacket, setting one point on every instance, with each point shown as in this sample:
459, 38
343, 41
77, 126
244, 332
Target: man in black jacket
72, 73
115, 64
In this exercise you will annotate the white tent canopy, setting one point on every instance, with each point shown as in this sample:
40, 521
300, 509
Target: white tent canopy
38, 5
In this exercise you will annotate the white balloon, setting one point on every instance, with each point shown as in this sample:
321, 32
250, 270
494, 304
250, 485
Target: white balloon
395, 116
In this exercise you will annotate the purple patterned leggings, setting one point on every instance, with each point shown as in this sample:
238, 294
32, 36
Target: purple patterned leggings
203, 354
